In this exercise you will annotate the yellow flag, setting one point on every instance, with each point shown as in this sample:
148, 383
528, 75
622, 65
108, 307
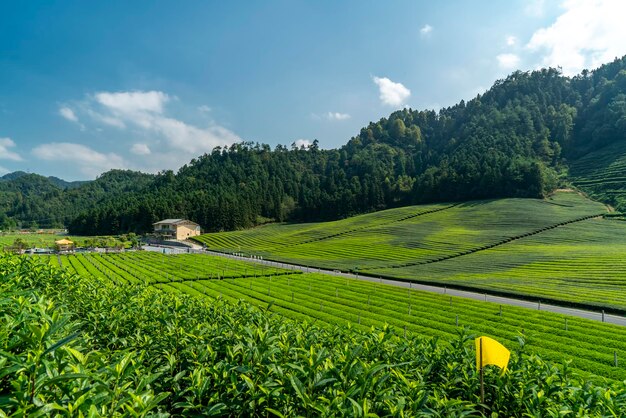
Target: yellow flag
493, 353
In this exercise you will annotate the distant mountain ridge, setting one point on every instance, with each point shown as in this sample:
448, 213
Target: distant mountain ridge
31, 200
524, 137
54, 180
12, 176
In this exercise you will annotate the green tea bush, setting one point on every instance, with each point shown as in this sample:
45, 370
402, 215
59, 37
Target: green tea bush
72, 346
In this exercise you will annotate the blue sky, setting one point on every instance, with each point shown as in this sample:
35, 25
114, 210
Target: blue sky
148, 85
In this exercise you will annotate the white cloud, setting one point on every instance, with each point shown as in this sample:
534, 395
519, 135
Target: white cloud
535, 8
146, 111
511, 40
189, 138
391, 93
150, 138
140, 149
331, 116
133, 102
3, 171
337, 116
508, 61
107, 120
586, 35
89, 161
302, 143
68, 114
426, 30
5, 154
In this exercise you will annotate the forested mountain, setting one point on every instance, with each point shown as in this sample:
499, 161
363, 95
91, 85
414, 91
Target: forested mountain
36, 201
54, 180
516, 140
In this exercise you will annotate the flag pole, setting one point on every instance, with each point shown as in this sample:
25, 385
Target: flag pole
482, 380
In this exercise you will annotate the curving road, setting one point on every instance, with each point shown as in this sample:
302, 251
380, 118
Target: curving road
581, 313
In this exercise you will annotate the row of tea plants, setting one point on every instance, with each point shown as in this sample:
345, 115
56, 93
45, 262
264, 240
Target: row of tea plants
73, 346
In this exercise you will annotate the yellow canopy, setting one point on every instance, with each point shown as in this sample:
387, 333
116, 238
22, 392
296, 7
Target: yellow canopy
64, 242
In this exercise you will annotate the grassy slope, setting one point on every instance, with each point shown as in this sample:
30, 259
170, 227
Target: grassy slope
523, 246
602, 174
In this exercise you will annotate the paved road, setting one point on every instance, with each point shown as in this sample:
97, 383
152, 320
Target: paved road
581, 313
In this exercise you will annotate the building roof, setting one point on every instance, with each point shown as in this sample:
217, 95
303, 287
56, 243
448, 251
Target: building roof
175, 222
64, 242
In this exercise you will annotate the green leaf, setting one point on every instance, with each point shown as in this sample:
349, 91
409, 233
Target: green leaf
324, 382
61, 342
275, 412
62, 377
297, 386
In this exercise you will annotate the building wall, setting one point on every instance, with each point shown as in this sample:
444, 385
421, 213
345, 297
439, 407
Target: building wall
186, 231
165, 229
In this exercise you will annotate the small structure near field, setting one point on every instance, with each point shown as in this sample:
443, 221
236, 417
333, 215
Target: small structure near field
178, 229
64, 245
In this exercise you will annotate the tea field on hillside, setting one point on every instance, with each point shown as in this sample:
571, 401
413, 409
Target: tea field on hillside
405, 235
602, 174
334, 301
559, 249
580, 262
82, 346
150, 267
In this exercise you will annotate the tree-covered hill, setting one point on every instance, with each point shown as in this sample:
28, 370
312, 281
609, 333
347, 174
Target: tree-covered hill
519, 139
37, 201
54, 180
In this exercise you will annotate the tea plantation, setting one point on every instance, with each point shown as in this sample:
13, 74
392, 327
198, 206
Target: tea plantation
581, 262
601, 174
82, 346
150, 334
332, 301
150, 267
559, 249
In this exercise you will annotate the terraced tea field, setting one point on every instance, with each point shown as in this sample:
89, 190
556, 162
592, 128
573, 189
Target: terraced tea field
406, 235
91, 344
581, 262
339, 301
150, 268
556, 249
591, 345
274, 237
602, 174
